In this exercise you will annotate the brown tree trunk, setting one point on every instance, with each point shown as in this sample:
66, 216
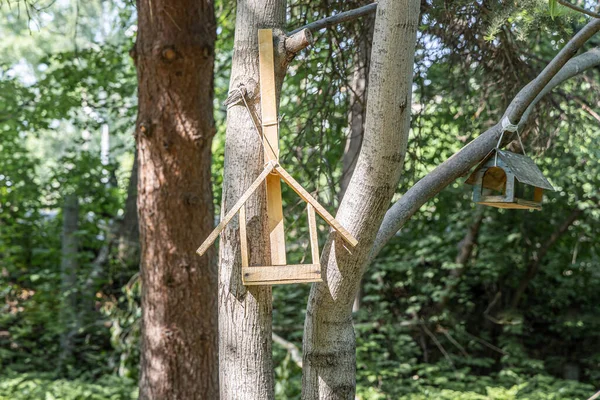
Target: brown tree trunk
174, 55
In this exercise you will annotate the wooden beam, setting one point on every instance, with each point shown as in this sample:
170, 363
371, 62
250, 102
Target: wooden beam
287, 178
281, 274
270, 131
312, 230
236, 207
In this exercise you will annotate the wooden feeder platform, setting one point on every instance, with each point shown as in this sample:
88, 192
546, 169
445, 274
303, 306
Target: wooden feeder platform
278, 272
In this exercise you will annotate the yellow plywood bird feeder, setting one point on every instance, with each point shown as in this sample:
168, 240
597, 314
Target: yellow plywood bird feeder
278, 272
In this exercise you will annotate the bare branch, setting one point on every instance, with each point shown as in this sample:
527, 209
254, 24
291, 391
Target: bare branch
298, 41
460, 163
290, 347
439, 346
337, 19
579, 9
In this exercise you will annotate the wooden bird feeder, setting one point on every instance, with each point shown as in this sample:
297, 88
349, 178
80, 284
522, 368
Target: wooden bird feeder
508, 180
278, 272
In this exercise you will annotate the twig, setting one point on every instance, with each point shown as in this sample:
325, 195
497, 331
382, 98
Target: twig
579, 9
337, 19
439, 346
290, 347
454, 342
487, 344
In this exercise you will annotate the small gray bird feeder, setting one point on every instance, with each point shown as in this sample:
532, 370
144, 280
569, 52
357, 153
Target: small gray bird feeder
508, 180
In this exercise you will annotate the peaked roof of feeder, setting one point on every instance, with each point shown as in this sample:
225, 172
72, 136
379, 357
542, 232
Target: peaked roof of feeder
523, 167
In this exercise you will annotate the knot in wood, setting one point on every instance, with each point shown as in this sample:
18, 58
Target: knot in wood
169, 54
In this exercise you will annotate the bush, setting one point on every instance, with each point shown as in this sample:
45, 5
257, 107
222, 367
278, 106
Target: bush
43, 387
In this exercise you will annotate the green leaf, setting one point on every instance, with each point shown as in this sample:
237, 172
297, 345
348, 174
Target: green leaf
553, 7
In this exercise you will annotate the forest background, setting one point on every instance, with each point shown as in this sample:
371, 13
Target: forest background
463, 303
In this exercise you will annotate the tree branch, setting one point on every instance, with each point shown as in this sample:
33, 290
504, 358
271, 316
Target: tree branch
461, 162
579, 9
337, 19
291, 348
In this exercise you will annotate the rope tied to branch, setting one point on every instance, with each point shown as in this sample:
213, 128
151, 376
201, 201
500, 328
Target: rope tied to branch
508, 126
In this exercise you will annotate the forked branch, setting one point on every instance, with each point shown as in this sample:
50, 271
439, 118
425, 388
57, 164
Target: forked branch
579, 9
462, 161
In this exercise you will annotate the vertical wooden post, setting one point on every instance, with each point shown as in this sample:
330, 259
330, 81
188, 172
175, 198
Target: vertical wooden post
270, 130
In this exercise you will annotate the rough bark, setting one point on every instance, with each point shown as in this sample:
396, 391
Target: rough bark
329, 343
245, 340
174, 55
68, 270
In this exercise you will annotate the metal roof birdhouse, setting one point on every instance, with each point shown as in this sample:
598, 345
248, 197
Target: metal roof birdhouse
278, 272
508, 180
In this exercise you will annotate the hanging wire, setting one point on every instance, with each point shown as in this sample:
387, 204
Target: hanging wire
242, 93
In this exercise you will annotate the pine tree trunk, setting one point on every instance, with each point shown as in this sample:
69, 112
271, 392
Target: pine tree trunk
246, 370
68, 271
174, 55
329, 367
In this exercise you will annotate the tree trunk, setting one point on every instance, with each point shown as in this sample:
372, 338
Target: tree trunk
246, 370
329, 343
358, 110
174, 55
358, 104
68, 271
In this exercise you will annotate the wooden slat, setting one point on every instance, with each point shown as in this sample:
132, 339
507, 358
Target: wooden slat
517, 205
312, 230
281, 274
268, 99
318, 207
236, 207
270, 130
275, 220
243, 236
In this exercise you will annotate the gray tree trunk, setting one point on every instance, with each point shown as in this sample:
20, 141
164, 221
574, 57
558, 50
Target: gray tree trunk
245, 363
358, 104
68, 270
356, 118
329, 343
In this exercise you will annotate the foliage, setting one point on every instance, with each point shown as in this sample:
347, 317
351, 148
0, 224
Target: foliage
429, 325
46, 387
